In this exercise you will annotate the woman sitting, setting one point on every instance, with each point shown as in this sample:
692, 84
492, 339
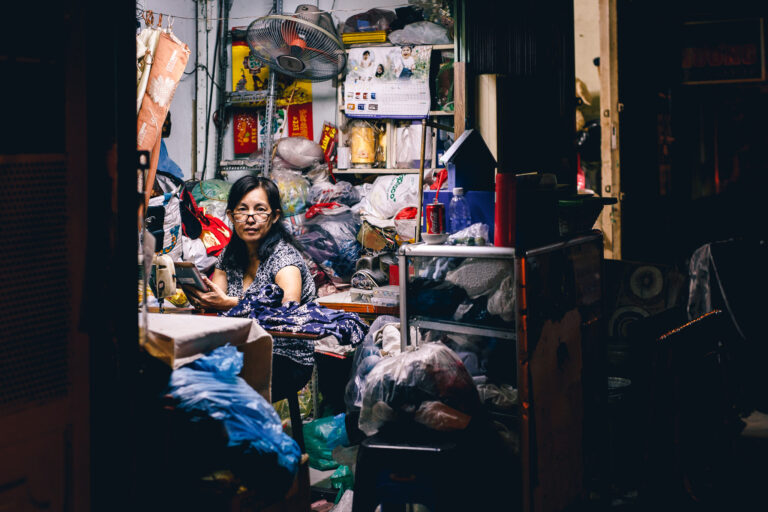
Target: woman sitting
262, 252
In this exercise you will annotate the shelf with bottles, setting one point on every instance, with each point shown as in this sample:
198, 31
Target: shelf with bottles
394, 158
377, 145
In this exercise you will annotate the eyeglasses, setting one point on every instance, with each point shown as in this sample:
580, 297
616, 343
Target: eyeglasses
260, 216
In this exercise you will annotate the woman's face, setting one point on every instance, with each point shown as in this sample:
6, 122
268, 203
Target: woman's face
253, 228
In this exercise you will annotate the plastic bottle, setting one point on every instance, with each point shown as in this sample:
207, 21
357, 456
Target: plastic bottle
458, 211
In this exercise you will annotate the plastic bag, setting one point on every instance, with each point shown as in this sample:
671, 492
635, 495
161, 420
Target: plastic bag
396, 388
318, 434
330, 237
440, 417
164, 222
299, 152
345, 503
366, 357
421, 32
210, 385
406, 223
294, 191
342, 479
475, 234
372, 19
211, 189
196, 252
408, 144
390, 194
341, 192
216, 208
318, 174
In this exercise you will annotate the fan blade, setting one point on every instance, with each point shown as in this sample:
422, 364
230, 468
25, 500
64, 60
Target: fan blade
290, 33
322, 53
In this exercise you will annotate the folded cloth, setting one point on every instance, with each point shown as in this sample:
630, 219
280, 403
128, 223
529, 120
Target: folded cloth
265, 306
478, 276
331, 344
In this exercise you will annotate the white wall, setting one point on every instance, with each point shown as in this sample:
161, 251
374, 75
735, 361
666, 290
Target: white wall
182, 142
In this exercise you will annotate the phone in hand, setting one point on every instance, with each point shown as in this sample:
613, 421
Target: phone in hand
187, 274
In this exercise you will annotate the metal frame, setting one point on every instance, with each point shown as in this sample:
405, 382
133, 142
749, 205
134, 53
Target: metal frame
455, 251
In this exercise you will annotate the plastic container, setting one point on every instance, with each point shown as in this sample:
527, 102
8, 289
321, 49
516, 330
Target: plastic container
458, 211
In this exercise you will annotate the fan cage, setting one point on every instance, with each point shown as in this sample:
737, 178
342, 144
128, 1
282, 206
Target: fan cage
289, 39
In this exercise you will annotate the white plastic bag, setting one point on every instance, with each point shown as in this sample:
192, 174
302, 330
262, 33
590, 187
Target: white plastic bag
421, 32
390, 194
299, 152
408, 143
196, 252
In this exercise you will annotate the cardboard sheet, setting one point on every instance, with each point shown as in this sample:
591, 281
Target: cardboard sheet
180, 339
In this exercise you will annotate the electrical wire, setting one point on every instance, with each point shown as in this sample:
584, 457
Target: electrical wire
210, 95
207, 73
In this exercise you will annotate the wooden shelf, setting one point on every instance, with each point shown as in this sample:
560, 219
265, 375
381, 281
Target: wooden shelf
379, 170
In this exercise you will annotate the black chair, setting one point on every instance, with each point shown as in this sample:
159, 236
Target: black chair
693, 420
400, 473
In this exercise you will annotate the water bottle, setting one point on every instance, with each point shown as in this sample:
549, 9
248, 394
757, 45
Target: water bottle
458, 211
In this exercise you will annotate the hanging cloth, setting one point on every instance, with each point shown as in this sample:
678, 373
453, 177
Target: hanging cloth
170, 59
146, 45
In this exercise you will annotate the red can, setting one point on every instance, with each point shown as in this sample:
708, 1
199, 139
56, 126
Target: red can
435, 213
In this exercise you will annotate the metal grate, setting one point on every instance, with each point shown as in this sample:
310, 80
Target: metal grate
34, 299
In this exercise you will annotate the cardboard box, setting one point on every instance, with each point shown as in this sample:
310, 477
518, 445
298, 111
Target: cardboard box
180, 339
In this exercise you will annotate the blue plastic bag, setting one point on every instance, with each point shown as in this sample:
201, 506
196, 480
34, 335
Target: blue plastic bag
211, 385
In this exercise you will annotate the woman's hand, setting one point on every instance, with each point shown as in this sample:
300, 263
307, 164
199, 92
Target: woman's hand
214, 298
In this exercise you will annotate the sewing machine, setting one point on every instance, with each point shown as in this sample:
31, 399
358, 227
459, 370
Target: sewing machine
162, 278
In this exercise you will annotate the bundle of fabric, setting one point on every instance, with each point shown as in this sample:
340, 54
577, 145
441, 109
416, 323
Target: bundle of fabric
265, 305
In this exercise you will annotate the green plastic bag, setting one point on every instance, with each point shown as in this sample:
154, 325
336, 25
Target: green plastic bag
316, 436
217, 190
342, 479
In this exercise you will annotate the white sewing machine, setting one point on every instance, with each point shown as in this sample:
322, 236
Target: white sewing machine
162, 278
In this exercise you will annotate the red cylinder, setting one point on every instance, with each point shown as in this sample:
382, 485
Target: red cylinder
435, 213
504, 212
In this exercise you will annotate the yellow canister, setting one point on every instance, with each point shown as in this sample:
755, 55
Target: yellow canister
362, 144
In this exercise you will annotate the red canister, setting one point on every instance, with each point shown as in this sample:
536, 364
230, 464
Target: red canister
435, 213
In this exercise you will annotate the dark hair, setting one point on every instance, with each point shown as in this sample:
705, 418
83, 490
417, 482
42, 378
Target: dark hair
236, 252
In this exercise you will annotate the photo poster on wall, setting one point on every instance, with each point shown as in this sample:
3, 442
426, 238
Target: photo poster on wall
388, 82
293, 121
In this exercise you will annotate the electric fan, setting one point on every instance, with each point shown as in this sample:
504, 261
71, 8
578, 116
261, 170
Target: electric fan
303, 45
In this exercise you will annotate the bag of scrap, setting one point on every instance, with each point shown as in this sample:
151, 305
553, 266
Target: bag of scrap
257, 450
429, 386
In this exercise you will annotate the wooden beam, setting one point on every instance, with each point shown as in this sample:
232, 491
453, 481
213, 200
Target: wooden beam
610, 219
459, 98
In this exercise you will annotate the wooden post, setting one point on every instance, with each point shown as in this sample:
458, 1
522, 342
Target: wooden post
459, 98
421, 179
610, 218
